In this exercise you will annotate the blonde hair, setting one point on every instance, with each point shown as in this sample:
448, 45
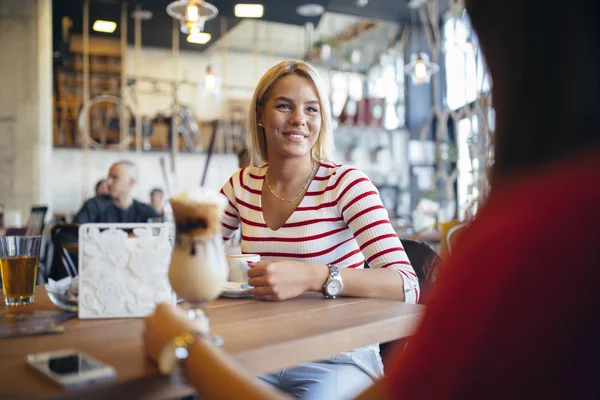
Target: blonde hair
257, 145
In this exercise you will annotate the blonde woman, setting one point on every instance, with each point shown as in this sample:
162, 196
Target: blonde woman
313, 222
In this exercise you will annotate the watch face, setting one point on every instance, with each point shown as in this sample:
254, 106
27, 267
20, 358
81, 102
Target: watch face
334, 288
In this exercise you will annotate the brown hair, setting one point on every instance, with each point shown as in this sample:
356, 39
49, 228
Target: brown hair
543, 57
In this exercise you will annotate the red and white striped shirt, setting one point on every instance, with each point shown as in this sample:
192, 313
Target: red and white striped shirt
341, 220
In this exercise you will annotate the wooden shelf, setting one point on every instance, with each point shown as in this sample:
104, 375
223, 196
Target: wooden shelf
105, 75
99, 45
98, 68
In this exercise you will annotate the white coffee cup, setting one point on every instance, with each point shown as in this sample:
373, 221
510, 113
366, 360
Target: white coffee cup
238, 266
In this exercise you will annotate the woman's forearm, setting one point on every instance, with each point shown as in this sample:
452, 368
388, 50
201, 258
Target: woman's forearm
375, 282
216, 377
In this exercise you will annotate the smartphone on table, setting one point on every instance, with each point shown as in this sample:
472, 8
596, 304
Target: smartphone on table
70, 368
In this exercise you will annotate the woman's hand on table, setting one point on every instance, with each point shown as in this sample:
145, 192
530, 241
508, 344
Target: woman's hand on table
275, 280
166, 323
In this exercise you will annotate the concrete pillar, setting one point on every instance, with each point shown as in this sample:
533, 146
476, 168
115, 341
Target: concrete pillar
25, 103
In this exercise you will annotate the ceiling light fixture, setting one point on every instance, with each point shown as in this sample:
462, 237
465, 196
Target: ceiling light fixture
211, 84
325, 52
104, 26
249, 10
192, 14
420, 68
362, 3
198, 37
310, 10
210, 80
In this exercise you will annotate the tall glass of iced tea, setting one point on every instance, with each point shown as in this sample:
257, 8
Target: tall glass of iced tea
19, 258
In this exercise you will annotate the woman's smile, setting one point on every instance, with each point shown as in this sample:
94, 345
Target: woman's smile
296, 135
291, 118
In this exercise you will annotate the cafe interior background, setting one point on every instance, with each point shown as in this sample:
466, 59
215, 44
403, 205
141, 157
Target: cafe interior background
407, 83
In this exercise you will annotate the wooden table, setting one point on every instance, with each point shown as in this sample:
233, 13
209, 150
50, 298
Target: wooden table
261, 336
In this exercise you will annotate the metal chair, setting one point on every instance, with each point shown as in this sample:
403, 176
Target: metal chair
426, 263
64, 262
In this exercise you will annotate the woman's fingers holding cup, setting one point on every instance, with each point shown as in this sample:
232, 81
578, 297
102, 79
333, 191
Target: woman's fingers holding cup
265, 292
256, 270
260, 280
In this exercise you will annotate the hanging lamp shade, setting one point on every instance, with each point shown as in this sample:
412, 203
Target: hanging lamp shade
197, 36
192, 14
210, 84
420, 69
210, 80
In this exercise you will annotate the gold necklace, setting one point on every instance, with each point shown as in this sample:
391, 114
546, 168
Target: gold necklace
301, 191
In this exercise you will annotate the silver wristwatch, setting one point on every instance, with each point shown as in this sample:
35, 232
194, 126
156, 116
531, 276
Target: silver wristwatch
174, 352
333, 285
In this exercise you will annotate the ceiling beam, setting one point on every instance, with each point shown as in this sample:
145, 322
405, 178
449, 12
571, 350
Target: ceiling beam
242, 50
347, 35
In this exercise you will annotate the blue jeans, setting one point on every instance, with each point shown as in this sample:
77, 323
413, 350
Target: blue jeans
340, 377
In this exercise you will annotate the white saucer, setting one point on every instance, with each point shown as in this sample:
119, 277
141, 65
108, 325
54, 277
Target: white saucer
236, 290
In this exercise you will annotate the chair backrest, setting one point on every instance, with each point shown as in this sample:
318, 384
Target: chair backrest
453, 235
426, 263
64, 258
35, 222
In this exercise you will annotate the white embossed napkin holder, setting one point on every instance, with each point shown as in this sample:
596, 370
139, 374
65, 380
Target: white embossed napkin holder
123, 275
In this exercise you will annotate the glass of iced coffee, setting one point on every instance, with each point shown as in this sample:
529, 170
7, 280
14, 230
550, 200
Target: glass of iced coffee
198, 270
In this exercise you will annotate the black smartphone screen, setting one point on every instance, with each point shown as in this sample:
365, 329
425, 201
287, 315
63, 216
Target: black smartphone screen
72, 364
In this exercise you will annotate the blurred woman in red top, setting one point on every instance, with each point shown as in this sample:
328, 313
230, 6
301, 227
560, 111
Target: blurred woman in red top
516, 313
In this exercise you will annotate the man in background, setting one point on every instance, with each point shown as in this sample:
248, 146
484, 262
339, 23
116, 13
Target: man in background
118, 205
101, 187
157, 198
